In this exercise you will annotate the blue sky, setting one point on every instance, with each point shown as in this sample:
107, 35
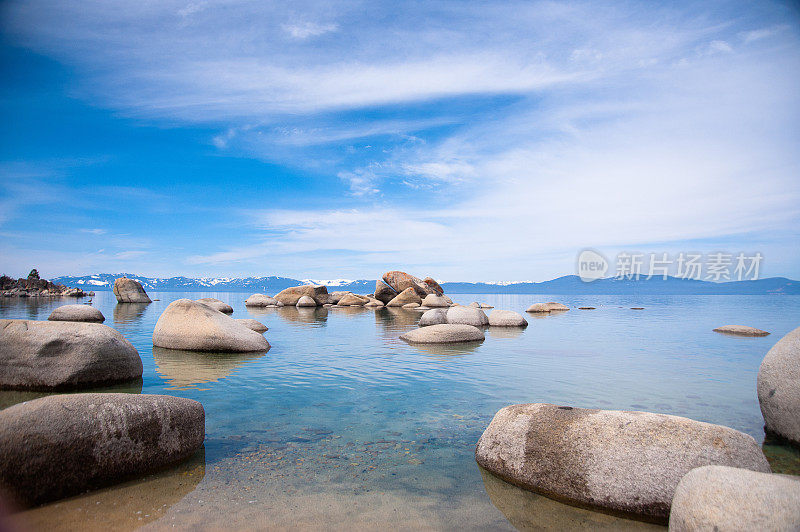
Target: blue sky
467, 141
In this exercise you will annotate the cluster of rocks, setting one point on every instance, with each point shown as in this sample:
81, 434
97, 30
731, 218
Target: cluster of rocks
33, 286
656, 467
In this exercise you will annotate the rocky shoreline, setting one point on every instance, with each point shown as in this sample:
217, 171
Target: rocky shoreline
33, 286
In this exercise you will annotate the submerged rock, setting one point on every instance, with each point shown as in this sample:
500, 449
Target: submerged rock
253, 325
61, 445
624, 462
216, 304
506, 318
779, 388
434, 316
52, 355
411, 305
404, 298
77, 313
444, 333
718, 498
740, 330
292, 295
467, 316
260, 300
129, 291
189, 325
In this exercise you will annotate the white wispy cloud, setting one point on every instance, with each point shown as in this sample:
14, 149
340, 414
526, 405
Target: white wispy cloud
304, 30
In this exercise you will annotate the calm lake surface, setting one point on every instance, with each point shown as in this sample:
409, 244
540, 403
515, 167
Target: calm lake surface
343, 425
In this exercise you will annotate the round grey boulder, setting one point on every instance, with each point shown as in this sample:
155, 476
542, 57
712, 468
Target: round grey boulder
192, 326
461, 315
216, 304
506, 318
539, 307
443, 334
623, 462
129, 291
54, 355
61, 445
740, 330
260, 300
728, 499
778, 387
253, 325
77, 313
306, 301
434, 301
435, 316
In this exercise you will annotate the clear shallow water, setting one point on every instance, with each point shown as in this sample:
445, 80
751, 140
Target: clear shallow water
342, 425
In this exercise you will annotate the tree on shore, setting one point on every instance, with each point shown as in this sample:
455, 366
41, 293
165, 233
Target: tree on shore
33, 275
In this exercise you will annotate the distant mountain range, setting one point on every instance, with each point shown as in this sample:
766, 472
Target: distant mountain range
569, 284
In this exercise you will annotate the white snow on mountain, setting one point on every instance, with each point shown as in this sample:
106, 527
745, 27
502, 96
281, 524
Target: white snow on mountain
328, 282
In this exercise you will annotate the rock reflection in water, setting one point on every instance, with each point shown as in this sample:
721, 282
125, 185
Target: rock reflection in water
13, 397
782, 456
505, 333
303, 316
397, 319
125, 313
125, 506
447, 351
529, 511
188, 369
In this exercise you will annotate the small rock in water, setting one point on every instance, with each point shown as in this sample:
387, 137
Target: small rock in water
740, 330
444, 333
586, 308
77, 313
506, 318
260, 300
306, 301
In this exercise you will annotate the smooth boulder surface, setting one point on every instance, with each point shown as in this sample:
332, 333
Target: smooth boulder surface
539, 307
778, 387
292, 295
253, 325
383, 292
404, 298
53, 355
129, 291
556, 306
624, 462
216, 304
740, 330
192, 326
335, 297
434, 301
77, 313
443, 334
506, 318
400, 281
352, 300
61, 445
467, 316
260, 300
728, 499
306, 301
435, 316
431, 282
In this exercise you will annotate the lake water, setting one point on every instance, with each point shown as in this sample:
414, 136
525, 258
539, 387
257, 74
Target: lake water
343, 425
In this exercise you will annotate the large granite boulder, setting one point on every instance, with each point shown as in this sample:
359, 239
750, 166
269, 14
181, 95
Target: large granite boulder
728, 499
253, 325
409, 295
260, 300
467, 316
53, 355
189, 325
292, 295
216, 304
624, 462
443, 334
383, 292
353, 300
335, 297
436, 301
129, 291
506, 318
778, 387
61, 445
399, 281
435, 316
77, 313
431, 282
740, 330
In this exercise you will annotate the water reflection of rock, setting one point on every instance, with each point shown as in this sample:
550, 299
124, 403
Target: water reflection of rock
125, 506
397, 319
526, 510
188, 369
313, 316
446, 351
129, 312
12, 397
543, 315
507, 333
